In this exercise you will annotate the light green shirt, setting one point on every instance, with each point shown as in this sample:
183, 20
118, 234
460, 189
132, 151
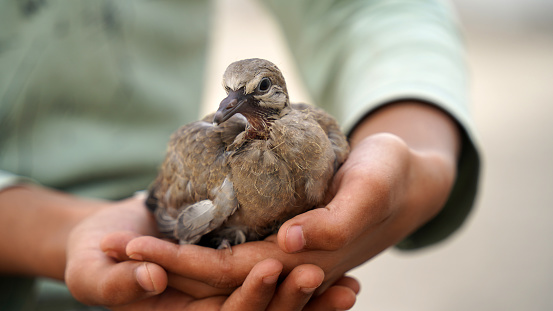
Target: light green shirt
91, 90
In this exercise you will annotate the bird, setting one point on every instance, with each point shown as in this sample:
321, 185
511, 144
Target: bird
238, 174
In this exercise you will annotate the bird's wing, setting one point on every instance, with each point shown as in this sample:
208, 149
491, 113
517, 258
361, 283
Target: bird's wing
200, 218
331, 128
194, 170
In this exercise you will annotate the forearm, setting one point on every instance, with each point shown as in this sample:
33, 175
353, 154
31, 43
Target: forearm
421, 126
34, 225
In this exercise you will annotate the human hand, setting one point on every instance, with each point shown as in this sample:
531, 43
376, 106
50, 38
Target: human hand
99, 273
92, 276
352, 228
258, 292
389, 186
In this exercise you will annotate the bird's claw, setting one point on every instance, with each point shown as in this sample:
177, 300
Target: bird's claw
225, 244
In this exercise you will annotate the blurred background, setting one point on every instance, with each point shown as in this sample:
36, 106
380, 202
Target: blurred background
502, 258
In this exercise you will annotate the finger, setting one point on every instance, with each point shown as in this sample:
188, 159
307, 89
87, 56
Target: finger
337, 297
340, 296
114, 244
169, 300
258, 288
365, 192
350, 283
298, 287
194, 288
217, 268
328, 228
102, 281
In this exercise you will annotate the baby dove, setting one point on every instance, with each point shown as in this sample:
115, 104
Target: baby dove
238, 174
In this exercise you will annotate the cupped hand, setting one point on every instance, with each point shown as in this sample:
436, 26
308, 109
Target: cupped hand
368, 213
258, 292
94, 277
388, 187
99, 273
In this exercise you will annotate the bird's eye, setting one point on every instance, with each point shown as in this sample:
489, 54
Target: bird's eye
264, 85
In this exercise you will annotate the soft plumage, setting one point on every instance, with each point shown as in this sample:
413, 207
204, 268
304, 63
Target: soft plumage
238, 174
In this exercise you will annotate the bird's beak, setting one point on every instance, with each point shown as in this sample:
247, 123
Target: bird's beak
232, 104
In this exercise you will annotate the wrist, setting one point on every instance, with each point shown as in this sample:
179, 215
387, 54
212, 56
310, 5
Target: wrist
35, 226
421, 126
430, 141
434, 174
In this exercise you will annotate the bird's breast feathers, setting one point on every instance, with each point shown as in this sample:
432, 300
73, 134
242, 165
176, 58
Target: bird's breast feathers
291, 168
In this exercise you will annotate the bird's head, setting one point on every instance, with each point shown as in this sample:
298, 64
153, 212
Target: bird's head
256, 89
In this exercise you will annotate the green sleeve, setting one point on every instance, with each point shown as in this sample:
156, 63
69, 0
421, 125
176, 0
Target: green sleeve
91, 90
17, 293
8, 179
358, 55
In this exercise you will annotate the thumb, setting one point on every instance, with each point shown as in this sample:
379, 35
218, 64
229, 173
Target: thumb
326, 228
121, 283
359, 204
316, 229
114, 244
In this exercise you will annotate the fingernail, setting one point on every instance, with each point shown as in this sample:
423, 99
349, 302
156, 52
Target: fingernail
136, 257
144, 279
308, 290
295, 241
271, 279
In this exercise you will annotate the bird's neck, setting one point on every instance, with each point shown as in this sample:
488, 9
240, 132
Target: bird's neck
260, 121
258, 127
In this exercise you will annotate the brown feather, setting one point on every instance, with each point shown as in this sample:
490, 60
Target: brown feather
252, 185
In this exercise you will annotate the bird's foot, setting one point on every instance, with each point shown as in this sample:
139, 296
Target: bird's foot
165, 222
225, 244
229, 237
